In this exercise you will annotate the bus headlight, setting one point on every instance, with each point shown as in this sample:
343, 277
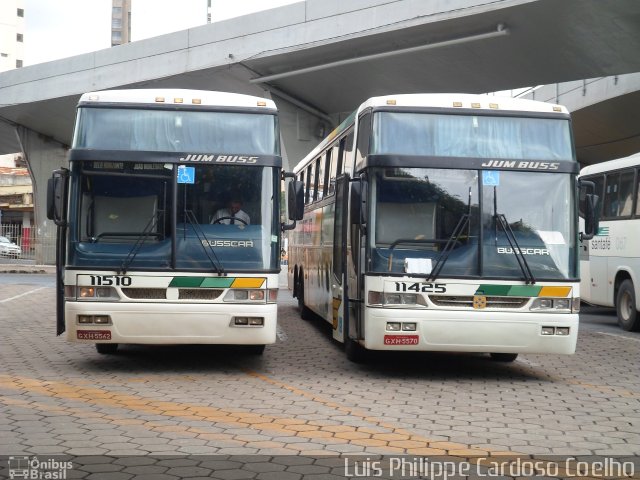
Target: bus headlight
551, 304
395, 299
91, 293
240, 295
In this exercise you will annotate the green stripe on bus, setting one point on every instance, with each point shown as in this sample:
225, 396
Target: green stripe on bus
186, 282
524, 291
493, 290
509, 290
217, 282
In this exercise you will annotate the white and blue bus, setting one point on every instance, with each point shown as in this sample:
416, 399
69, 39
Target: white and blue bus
610, 263
144, 254
442, 223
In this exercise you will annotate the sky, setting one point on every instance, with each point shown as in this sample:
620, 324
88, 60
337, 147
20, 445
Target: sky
62, 28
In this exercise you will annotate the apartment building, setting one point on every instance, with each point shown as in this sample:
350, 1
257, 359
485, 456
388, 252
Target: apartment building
11, 34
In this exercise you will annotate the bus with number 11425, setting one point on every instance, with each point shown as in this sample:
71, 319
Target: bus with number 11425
443, 223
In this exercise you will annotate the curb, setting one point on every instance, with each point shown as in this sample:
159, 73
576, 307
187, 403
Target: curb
27, 269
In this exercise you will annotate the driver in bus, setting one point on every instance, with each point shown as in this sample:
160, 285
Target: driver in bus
232, 214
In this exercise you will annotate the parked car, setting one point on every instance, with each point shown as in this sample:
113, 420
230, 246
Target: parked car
9, 249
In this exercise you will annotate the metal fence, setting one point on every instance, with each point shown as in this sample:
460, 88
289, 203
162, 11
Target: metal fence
37, 244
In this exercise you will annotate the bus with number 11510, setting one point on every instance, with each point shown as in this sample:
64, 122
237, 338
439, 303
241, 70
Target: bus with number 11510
443, 223
150, 249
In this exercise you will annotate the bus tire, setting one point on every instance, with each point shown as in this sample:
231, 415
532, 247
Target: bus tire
503, 357
628, 317
106, 348
305, 313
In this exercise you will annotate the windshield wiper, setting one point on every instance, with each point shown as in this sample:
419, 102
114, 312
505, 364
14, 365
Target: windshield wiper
202, 240
146, 233
515, 248
448, 248
463, 222
501, 219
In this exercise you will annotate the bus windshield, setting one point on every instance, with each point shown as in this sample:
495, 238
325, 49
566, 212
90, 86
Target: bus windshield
471, 136
157, 130
122, 217
415, 212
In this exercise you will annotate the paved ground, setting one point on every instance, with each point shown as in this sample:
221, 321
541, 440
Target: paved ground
278, 416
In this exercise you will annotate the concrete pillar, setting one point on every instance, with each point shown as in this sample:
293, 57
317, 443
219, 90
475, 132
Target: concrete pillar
43, 155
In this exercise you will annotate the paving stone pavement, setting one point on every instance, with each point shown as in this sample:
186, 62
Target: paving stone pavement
220, 412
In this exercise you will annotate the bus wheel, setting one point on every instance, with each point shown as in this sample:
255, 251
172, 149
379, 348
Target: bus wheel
305, 313
106, 348
504, 357
628, 317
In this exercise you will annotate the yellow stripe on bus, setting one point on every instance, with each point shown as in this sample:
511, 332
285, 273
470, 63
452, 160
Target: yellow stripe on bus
554, 292
247, 283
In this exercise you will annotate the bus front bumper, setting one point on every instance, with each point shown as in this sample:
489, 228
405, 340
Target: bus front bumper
146, 323
460, 331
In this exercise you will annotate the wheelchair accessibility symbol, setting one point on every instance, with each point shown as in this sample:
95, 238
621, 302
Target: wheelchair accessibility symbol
186, 175
490, 178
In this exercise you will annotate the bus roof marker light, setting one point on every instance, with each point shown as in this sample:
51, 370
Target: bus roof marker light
178, 100
457, 104
159, 99
94, 98
196, 101
475, 105
262, 103
495, 106
556, 108
391, 101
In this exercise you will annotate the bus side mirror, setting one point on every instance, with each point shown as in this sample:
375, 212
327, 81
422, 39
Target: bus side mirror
591, 217
56, 197
358, 202
295, 203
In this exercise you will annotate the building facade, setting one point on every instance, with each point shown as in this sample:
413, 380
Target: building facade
120, 22
11, 34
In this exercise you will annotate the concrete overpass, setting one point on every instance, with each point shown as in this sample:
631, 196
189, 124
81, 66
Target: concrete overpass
605, 113
321, 58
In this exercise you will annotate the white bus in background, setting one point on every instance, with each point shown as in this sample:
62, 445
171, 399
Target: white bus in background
144, 255
442, 223
610, 263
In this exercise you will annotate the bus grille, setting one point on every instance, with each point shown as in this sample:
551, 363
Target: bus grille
146, 293
467, 301
199, 293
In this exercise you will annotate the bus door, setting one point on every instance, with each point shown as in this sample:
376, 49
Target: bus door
57, 188
340, 298
354, 261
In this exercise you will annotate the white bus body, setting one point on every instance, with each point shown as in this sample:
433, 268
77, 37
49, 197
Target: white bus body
610, 263
142, 257
442, 223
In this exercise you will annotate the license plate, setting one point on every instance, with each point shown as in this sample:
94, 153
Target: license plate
401, 339
94, 335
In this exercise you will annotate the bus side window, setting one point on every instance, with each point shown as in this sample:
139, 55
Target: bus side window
316, 177
332, 164
637, 193
325, 164
307, 189
364, 133
618, 195
346, 149
625, 203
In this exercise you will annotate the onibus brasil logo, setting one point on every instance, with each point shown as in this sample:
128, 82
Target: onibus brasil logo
32, 468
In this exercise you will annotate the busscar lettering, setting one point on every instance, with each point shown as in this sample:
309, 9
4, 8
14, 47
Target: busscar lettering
201, 158
524, 251
228, 243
